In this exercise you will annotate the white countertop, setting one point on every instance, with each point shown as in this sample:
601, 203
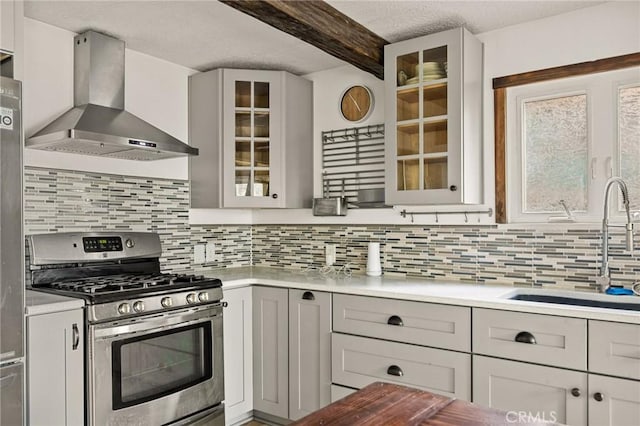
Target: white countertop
422, 290
38, 303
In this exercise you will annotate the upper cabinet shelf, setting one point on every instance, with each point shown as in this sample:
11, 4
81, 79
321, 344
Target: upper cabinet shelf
254, 132
433, 91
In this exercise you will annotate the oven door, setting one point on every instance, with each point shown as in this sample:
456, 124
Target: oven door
157, 369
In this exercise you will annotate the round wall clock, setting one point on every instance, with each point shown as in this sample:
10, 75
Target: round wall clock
356, 103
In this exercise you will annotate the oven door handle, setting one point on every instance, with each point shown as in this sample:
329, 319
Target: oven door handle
161, 322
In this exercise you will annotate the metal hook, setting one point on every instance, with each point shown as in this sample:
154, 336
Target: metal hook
466, 218
436, 217
411, 217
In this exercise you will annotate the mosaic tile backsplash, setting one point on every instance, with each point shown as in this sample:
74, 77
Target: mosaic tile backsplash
57, 200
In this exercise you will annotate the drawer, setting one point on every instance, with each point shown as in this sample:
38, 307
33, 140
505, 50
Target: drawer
427, 324
358, 361
557, 341
614, 348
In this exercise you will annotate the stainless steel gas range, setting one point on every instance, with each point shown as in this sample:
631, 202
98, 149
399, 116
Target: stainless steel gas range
154, 340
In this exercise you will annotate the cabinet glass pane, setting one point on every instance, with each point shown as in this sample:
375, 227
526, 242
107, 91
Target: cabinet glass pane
242, 183
261, 125
261, 95
556, 153
434, 63
435, 173
408, 175
408, 142
408, 104
629, 139
261, 154
435, 100
261, 184
407, 69
435, 137
243, 124
243, 94
243, 154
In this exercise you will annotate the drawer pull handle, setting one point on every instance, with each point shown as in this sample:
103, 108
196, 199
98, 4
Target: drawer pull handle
598, 396
76, 336
308, 296
395, 320
394, 370
525, 337
575, 392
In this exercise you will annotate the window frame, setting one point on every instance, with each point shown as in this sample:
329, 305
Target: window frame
500, 85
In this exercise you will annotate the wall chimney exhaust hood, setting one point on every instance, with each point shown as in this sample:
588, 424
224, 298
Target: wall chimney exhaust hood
98, 124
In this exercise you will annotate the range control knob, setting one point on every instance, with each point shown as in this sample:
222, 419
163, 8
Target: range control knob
129, 243
191, 298
138, 306
203, 297
166, 302
124, 308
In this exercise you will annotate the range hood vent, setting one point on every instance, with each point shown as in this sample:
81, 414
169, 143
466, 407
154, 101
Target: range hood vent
98, 124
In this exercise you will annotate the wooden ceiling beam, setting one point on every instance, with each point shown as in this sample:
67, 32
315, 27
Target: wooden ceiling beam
321, 25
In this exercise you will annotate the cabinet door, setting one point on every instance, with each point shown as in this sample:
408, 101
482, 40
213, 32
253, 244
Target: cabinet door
425, 112
270, 351
238, 354
55, 368
530, 391
309, 352
252, 147
6, 25
613, 401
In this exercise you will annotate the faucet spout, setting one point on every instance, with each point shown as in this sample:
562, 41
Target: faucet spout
604, 278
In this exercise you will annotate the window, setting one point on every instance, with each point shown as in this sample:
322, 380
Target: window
565, 138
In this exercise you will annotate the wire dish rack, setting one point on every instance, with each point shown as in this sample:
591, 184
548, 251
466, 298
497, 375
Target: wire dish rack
353, 161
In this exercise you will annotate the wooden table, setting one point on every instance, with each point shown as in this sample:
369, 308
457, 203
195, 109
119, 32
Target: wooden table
385, 404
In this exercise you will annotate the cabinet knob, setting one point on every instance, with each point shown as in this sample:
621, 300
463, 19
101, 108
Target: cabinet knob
395, 320
453, 188
575, 392
308, 296
394, 370
598, 396
525, 337
274, 196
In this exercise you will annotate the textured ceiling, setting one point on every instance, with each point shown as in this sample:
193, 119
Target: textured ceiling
207, 34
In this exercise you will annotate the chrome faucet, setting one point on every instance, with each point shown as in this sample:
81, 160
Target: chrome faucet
604, 279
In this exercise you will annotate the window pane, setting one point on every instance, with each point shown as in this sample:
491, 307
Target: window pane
629, 137
556, 154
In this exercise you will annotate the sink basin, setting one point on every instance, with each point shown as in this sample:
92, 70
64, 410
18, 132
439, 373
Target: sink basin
631, 303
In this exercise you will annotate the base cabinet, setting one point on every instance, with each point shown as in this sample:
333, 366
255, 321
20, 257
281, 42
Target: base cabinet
238, 354
7, 38
309, 352
530, 391
55, 369
270, 351
613, 401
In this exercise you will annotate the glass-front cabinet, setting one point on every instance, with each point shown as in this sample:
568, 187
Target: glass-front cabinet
252, 138
434, 119
254, 132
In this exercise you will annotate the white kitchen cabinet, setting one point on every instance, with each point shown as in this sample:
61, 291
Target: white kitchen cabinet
271, 351
254, 130
433, 91
614, 349
309, 351
55, 368
534, 391
238, 355
7, 36
613, 402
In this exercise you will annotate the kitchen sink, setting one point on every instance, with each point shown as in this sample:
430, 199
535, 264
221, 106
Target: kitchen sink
631, 303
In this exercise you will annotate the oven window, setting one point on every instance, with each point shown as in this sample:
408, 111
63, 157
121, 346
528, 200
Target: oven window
158, 364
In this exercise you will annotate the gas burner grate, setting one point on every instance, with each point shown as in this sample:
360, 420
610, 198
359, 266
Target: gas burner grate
125, 282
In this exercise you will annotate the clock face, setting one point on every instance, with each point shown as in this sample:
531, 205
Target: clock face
356, 103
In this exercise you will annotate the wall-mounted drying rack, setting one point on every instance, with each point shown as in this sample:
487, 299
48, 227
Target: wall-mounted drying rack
352, 160
405, 213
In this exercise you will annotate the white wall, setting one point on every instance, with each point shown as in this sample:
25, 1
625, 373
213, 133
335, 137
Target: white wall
155, 90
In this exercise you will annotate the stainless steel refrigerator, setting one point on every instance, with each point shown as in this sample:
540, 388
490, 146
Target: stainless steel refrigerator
11, 256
